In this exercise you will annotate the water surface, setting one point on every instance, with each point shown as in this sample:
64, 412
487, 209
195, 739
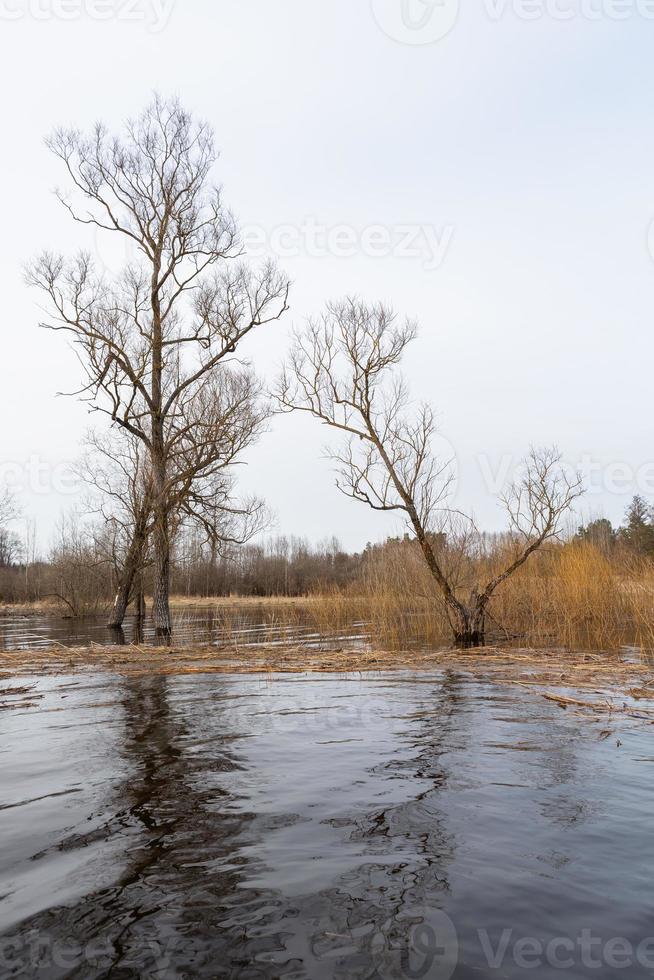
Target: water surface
242, 624
305, 826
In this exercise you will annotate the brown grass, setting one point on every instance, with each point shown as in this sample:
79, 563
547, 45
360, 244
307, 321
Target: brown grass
40, 607
241, 601
53, 606
603, 677
572, 596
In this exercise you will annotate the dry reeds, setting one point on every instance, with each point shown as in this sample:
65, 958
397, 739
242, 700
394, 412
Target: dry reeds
611, 682
573, 595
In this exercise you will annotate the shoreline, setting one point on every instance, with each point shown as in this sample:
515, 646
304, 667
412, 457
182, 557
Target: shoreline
598, 675
45, 607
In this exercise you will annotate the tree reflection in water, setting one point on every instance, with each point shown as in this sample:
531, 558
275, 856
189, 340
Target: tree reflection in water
301, 826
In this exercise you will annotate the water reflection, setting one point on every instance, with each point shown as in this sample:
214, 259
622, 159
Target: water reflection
300, 826
243, 625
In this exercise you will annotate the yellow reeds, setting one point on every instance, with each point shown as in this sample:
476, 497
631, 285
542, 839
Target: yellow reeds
571, 595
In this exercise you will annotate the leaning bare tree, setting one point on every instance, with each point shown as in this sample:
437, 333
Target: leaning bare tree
151, 339
342, 370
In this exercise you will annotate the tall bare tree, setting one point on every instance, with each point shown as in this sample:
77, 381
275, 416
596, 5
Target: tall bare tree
342, 369
225, 418
150, 340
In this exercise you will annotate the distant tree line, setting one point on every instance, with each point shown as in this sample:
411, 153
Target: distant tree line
82, 568
636, 533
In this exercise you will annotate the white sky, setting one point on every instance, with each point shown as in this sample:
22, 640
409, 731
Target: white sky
525, 147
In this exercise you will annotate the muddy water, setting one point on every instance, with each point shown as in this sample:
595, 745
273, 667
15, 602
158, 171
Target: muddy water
317, 826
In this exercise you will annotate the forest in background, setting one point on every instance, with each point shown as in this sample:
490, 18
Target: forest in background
593, 589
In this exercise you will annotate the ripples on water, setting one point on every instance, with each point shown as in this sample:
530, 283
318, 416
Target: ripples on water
244, 625
305, 827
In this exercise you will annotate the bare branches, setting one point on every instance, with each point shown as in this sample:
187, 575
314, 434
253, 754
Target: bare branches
224, 416
154, 341
227, 308
536, 502
151, 186
340, 370
536, 505
8, 507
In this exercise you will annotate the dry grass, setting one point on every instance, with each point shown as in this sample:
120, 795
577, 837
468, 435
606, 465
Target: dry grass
603, 677
40, 607
583, 599
241, 601
53, 607
572, 596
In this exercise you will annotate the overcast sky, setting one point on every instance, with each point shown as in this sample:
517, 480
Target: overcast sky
489, 170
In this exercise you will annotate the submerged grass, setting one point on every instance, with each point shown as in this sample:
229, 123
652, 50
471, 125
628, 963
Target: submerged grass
611, 682
573, 596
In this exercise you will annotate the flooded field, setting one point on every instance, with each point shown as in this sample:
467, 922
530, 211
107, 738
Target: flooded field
247, 624
397, 825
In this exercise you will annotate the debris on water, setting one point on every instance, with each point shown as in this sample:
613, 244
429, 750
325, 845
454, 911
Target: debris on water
8, 696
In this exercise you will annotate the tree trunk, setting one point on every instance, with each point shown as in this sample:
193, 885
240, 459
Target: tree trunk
161, 550
131, 569
161, 535
139, 597
161, 607
160, 504
469, 621
121, 601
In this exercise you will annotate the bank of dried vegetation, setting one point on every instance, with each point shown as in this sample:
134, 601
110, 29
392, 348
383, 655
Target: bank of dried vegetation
574, 596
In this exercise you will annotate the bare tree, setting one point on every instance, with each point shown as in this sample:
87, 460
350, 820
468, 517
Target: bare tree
11, 548
151, 339
10, 543
342, 370
116, 468
8, 508
226, 415
79, 573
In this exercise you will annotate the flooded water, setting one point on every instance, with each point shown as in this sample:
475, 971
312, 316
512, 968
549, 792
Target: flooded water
314, 826
242, 624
